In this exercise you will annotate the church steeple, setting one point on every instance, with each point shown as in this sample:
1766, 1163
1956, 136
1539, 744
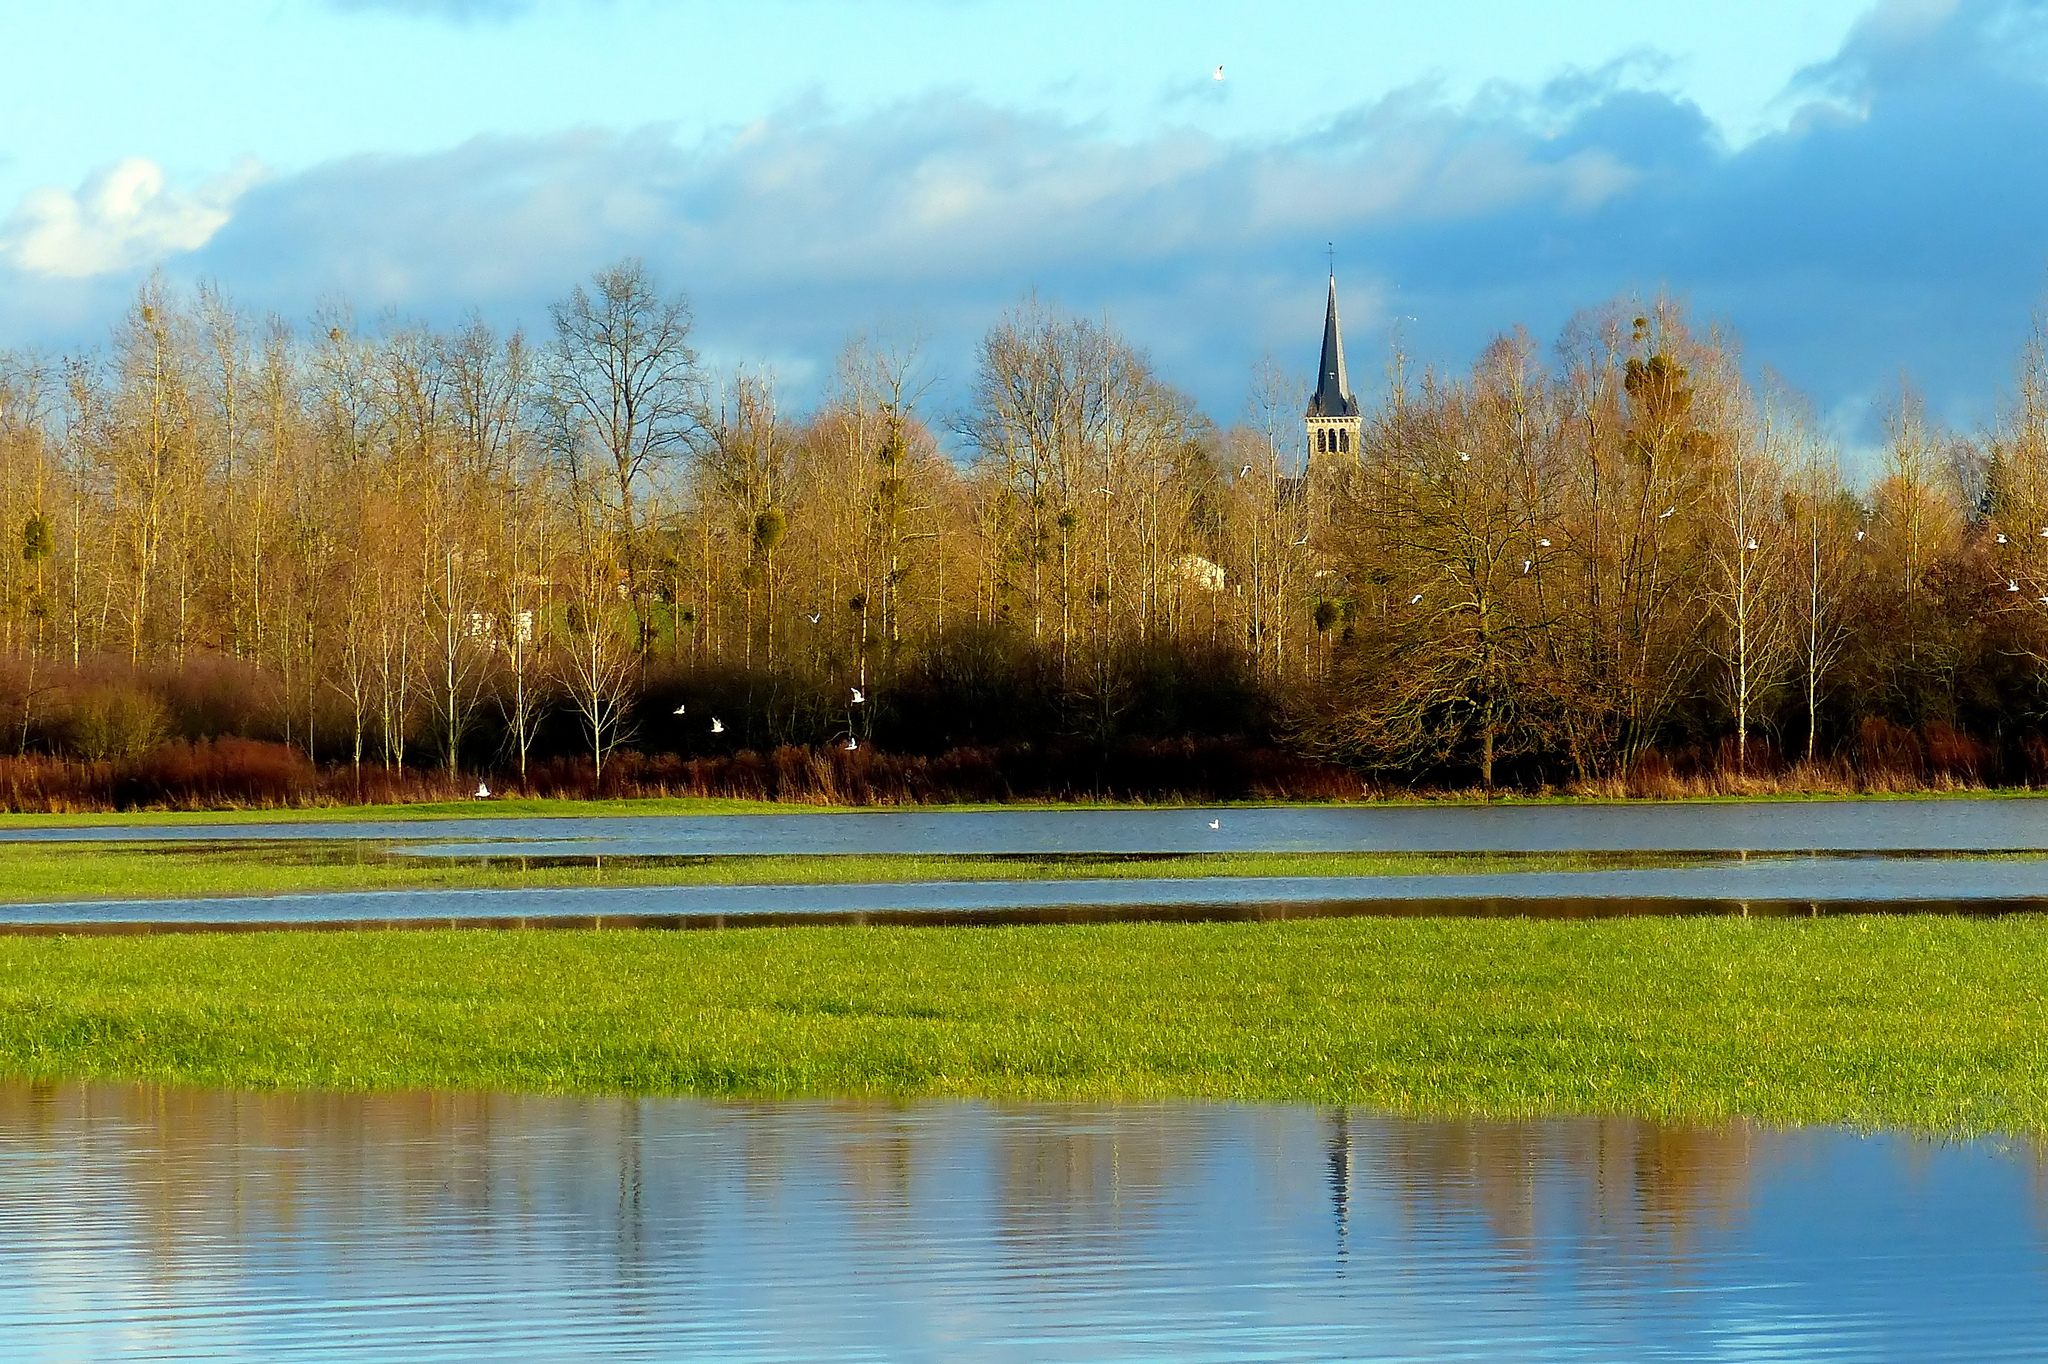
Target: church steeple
1333, 385
1332, 416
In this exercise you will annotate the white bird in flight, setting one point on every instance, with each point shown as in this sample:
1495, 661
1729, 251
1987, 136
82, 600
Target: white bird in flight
1215, 823
1543, 543
1525, 565
1302, 541
1666, 512
812, 618
857, 696
1752, 544
1859, 535
1219, 73
1244, 472
2012, 585
483, 792
2001, 539
851, 743
680, 709
1414, 599
717, 725
1464, 458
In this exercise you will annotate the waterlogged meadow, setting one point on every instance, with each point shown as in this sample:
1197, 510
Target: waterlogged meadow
1927, 1023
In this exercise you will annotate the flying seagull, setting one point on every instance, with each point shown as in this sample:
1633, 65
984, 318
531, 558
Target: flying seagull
1752, 544
483, 792
812, 618
1219, 73
1464, 458
1859, 535
2001, 539
1244, 472
1525, 565
851, 743
1414, 599
1543, 543
857, 696
2012, 585
1666, 512
1215, 823
1302, 541
717, 725
680, 709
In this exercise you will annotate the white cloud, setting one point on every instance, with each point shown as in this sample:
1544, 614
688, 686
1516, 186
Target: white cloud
123, 217
1843, 248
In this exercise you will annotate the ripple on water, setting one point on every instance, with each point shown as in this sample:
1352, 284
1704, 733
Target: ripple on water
210, 1225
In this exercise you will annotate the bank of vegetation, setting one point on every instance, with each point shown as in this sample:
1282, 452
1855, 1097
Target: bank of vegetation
256, 563
1931, 1023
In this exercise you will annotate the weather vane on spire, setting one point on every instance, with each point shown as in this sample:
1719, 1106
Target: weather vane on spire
1333, 260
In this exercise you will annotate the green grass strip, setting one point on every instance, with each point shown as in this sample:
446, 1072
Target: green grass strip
31, 873
1937, 1024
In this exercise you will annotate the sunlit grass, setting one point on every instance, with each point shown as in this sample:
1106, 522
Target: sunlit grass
45, 872
1934, 1023
426, 810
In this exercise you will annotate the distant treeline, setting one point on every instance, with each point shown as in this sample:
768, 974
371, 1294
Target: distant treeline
374, 563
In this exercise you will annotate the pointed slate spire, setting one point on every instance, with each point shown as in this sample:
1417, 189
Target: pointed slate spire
1333, 386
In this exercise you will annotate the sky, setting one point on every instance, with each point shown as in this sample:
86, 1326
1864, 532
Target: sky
1856, 190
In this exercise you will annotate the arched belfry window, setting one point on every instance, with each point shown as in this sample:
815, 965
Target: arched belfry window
1344, 442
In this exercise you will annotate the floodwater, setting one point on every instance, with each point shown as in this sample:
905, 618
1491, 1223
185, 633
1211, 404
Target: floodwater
1754, 885
200, 1224
1799, 826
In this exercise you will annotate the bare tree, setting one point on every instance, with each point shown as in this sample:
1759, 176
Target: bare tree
597, 652
626, 381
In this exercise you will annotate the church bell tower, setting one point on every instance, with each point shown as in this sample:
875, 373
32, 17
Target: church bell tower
1332, 416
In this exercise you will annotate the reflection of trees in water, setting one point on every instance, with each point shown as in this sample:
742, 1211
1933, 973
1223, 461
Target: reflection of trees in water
1063, 1171
635, 1183
195, 1169
1634, 1185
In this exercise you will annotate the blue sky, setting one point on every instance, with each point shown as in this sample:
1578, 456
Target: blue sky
1857, 190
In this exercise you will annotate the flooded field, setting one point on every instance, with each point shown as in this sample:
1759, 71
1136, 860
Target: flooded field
201, 1224
1763, 885
1984, 825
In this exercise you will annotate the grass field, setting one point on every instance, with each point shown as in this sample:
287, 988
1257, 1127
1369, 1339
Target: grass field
120, 871
1929, 1023
357, 814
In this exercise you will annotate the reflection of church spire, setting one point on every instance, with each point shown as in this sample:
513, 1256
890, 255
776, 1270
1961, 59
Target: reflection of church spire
1340, 1177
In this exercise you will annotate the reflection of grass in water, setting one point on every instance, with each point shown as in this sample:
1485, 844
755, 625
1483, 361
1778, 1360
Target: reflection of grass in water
1935, 1023
30, 872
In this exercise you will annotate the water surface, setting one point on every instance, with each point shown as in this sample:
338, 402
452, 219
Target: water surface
198, 1224
1757, 885
1770, 826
